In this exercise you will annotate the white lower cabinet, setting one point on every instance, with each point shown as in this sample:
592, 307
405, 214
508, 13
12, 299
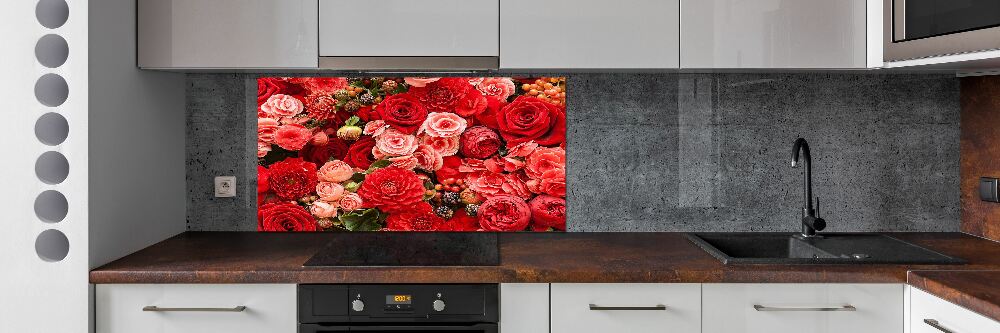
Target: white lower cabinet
633, 308
930, 314
524, 307
803, 308
189, 308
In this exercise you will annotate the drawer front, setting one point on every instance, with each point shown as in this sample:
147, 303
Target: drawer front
803, 308
947, 316
268, 308
634, 308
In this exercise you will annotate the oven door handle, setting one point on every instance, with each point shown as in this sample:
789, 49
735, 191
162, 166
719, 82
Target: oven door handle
484, 328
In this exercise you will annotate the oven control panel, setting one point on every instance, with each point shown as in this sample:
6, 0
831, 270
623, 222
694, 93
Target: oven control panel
398, 303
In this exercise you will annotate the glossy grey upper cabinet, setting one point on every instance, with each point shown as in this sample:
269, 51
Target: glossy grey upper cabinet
589, 34
409, 34
781, 34
220, 34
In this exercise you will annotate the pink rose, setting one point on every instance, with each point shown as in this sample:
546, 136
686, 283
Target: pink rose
320, 139
292, 137
330, 192
375, 128
470, 165
514, 185
408, 162
323, 209
523, 150
444, 146
544, 159
266, 129
428, 158
396, 143
335, 171
504, 164
262, 149
443, 124
499, 88
419, 81
486, 183
280, 105
350, 202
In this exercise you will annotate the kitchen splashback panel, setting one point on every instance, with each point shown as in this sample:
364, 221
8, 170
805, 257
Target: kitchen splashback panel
411, 154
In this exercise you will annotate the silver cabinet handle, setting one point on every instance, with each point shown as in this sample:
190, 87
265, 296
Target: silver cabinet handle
935, 324
596, 307
759, 307
159, 309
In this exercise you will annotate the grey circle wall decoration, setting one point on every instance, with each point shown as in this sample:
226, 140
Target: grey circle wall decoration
51, 129
52, 13
51, 90
51, 206
52, 245
52, 167
51, 51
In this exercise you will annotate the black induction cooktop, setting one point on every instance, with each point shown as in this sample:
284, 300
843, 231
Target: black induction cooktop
409, 249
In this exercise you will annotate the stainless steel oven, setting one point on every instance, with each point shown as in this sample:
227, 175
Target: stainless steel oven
916, 29
384, 308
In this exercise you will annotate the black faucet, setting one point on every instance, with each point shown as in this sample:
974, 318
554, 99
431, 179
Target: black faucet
810, 221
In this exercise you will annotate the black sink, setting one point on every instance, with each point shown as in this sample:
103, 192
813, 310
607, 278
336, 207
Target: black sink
836, 248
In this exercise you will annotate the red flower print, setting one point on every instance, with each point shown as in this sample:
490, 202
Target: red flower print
392, 189
530, 118
480, 142
262, 175
292, 178
359, 155
402, 111
548, 212
284, 216
442, 95
461, 221
292, 136
418, 218
334, 149
272, 85
504, 213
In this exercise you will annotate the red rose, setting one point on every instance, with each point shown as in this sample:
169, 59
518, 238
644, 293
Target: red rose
548, 212
392, 189
419, 218
359, 155
504, 212
489, 116
284, 216
402, 111
472, 104
444, 94
480, 142
530, 118
334, 149
267, 86
262, 175
449, 168
292, 178
461, 221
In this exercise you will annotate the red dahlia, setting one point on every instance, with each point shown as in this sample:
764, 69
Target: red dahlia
419, 218
284, 216
392, 189
321, 106
292, 178
548, 211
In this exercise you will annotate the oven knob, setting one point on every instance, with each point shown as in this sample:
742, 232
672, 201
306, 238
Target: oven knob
438, 305
358, 305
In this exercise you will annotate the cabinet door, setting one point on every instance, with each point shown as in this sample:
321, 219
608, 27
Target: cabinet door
122, 308
227, 33
773, 34
930, 314
803, 308
524, 308
633, 308
408, 28
589, 34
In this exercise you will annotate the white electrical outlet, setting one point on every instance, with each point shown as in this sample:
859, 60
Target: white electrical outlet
225, 186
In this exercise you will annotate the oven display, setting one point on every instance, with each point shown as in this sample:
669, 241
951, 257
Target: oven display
398, 299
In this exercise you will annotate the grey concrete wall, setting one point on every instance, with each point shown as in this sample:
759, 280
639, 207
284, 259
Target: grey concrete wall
685, 152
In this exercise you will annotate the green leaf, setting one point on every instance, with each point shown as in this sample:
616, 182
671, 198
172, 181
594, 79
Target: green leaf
363, 220
353, 120
358, 177
377, 165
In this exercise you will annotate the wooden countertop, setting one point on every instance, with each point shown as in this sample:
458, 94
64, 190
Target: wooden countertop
250, 257
978, 291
